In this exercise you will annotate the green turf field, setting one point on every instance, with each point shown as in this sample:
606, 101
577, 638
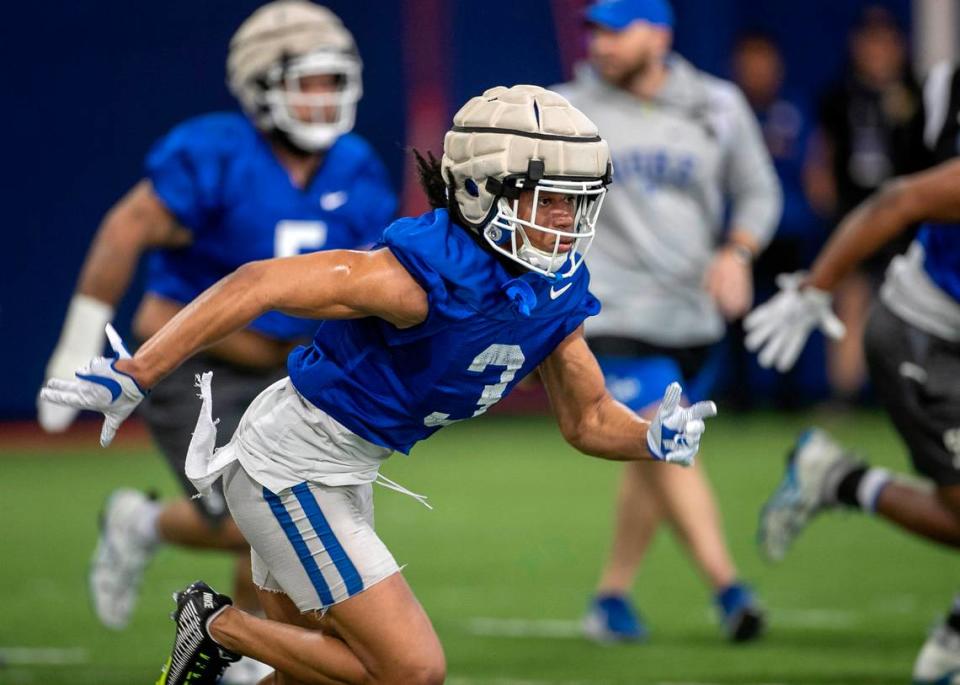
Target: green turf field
504, 566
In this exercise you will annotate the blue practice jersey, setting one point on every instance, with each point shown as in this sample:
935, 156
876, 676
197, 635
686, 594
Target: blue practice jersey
219, 177
941, 246
486, 329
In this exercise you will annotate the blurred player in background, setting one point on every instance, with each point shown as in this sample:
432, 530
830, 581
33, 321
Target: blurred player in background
870, 131
285, 177
669, 277
786, 124
912, 344
434, 327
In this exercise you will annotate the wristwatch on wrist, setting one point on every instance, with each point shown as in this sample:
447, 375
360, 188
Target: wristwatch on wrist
743, 254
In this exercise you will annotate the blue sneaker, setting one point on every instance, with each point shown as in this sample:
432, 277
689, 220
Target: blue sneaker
741, 617
611, 618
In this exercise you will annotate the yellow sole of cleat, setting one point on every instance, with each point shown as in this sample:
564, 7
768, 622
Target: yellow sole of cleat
163, 673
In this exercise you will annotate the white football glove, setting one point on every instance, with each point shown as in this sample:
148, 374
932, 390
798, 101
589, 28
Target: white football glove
99, 387
80, 339
782, 325
674, 434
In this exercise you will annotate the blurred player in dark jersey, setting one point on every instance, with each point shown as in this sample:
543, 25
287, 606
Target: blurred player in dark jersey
912, 345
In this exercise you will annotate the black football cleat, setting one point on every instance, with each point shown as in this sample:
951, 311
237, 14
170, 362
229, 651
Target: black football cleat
196, 659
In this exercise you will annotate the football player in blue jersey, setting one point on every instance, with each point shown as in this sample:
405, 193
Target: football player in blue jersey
433, 327
912, 344
286, 176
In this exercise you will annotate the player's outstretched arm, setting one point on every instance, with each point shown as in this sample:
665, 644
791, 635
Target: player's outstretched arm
779, 328
137, 222
930, 195
336, 284
595, 423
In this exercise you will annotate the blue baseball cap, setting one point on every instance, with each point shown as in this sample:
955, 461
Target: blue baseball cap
619, 14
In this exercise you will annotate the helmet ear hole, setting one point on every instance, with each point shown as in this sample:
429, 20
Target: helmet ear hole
535, 169
471, 187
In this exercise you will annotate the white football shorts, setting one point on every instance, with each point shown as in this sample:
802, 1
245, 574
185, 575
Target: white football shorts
313, 542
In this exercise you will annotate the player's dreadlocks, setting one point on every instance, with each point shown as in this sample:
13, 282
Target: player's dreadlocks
431, 180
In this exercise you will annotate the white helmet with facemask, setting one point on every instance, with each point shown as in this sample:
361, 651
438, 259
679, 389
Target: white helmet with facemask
509, 140
275, 51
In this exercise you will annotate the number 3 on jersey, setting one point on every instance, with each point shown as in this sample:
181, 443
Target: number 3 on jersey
508, 356
296, 237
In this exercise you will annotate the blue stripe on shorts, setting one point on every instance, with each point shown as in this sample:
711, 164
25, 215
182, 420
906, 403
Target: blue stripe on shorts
303, 552
339, 556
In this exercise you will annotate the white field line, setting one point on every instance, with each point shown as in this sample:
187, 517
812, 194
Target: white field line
815, 618
566, 629
525, 627
50, 656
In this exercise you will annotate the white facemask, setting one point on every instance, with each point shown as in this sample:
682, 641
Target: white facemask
332, 114
510, 236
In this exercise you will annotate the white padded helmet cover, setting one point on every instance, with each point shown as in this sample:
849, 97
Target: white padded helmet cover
478, 155
279, 30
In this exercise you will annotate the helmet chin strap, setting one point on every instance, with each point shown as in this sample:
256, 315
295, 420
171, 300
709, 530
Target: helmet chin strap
283, 139
313, 142
542, 259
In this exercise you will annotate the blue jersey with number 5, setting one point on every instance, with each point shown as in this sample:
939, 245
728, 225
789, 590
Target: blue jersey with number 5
486, 329
218, 176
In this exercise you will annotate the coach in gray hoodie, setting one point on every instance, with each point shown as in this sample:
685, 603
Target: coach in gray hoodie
670, 274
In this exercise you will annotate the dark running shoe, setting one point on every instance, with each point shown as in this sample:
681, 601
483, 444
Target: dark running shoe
741, 618
196, 659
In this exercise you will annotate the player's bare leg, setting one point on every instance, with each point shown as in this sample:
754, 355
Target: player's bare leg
638, 516
639, 513
691, 509
245, 594
931, 513
690, 506
381, 635
181, 523
823, 475
650, 494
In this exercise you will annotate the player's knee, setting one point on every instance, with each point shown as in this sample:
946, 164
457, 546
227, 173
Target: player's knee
427, 668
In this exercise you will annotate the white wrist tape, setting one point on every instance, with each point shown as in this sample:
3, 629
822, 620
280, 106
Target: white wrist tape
82, 336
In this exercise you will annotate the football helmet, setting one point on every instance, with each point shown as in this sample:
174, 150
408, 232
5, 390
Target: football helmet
272, 57
509, 140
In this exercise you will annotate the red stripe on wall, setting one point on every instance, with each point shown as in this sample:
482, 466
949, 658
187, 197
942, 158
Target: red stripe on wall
426, 34
571, 36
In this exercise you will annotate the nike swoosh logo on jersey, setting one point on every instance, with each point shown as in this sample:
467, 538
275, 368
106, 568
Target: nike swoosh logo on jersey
554, 294
108, 383
331, 201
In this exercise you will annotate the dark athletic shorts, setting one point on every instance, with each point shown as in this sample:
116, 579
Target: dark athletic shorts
172, 407
917, 378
